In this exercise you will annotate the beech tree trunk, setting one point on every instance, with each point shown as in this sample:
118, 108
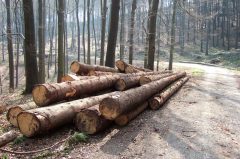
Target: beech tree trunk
125, 118
80, 68
15, 110
149, 78
114, 106
91, 121
8, 137
158, 100
43, 120
45, 94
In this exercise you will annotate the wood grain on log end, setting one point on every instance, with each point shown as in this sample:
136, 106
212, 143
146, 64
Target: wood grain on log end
120, 85
39, 94
120, 65
144, 80
75, 68
69, 78
109, 108
155, 103
12, 115
28, 123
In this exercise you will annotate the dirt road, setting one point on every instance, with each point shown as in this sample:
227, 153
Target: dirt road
202, 121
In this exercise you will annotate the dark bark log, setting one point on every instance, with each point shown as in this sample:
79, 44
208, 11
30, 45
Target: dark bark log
91, 121
114, 106
43, 120
158, 100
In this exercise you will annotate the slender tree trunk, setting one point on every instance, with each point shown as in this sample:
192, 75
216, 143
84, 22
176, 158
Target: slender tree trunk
78, 30
31, 69
61, 10
94, 34
88, 30
152, 34
103, 29
17, 24
122, 30
83, 32
172, 34
113, 30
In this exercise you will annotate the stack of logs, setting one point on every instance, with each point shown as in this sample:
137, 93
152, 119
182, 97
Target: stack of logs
94, 98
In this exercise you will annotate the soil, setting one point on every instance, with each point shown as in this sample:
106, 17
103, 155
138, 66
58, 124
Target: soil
201, 121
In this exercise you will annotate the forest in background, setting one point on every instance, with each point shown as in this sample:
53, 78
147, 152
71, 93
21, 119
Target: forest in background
41, 38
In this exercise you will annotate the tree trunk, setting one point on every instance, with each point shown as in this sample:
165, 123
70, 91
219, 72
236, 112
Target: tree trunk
88, 30
13, 112
113, 30
128, 68
114, 106
125, 83
78, 30
70, 77
8, 137
10, 47
31, 69
172, 34
122, 30
158, 100
152, 34
98, 73
41, 39
150, 78
83, 69
46, 94
91, 121
131, 31
125, 118
42, 120
103, 29
83, 31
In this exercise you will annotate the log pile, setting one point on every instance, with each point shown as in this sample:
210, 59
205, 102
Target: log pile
94, 98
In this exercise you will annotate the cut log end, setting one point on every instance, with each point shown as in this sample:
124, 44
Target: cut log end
120, 85
120, 65
75, 67
87, 122
39, 95
109, 108
144, 80
28, 123
67, 78
122, 120
12, 115
155, 102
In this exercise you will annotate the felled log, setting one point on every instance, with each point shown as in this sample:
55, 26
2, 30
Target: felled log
125, 118
91, 121
13, 112
8, 137
127, 68
45, 94
71, 77
149, 78
83, 69
98, 73
158, 100
116, 105
42, 120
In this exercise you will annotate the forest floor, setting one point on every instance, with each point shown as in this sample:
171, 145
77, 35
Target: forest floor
201, 121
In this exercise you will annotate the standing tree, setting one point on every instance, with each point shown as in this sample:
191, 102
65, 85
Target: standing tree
103, 29
31, 69
113, 30
122, 30
83, 31
61, 57
131, 31
10, 47
78, 30
152, 33
41, 39
88, 32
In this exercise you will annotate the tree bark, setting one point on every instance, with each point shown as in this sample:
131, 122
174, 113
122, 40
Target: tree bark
45, 94
103, 29
43, 120
114, 106
80, 68
124, 119
149, 78
91, 121
98, 73
71, 77
83, 31
158, 100
113, 30
122, 30
8, 137
31, 69
128, 68
88, 33
78, 30
13, 112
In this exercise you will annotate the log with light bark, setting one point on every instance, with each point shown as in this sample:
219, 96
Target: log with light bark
91, 121
98, 73
13, 112
149, 78
125, 101
8, 137
42, 120
83, 69
45, 94
125, 118
158, 100
71, 77
127, 68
